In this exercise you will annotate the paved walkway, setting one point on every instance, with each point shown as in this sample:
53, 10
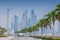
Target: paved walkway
25, 38
18, 38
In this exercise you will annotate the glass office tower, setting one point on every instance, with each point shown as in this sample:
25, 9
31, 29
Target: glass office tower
16, 23
24, 20
33, 18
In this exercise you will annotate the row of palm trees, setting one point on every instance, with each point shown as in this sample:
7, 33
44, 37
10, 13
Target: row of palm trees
30, 29
49, 19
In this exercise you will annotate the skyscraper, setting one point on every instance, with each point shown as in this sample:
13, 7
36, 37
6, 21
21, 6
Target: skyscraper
24, 20
16, 23
28, 22
11, 29
33, 18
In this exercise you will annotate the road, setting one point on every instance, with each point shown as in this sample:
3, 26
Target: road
18, 38
24, 38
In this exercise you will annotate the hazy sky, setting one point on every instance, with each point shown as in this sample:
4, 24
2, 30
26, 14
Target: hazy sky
40, 8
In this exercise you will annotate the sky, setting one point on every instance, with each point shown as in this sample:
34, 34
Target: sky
40, 7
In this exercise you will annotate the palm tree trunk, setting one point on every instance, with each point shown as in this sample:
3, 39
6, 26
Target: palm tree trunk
59, 23
46, 31
41, 31
53, 30
34, 33
58, 29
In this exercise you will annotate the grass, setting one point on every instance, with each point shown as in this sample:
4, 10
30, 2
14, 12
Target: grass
47, 37
3, 35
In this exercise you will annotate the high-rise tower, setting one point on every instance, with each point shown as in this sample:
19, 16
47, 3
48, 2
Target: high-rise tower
16, 23
24, 20
33, 18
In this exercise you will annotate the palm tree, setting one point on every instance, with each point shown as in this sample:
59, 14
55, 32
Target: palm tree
58, 18
58, 13
47, 22
52, 16
31, 29
38, 24
34, 29
58, 7
41, 25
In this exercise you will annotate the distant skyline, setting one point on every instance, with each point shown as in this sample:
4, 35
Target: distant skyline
40, 7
